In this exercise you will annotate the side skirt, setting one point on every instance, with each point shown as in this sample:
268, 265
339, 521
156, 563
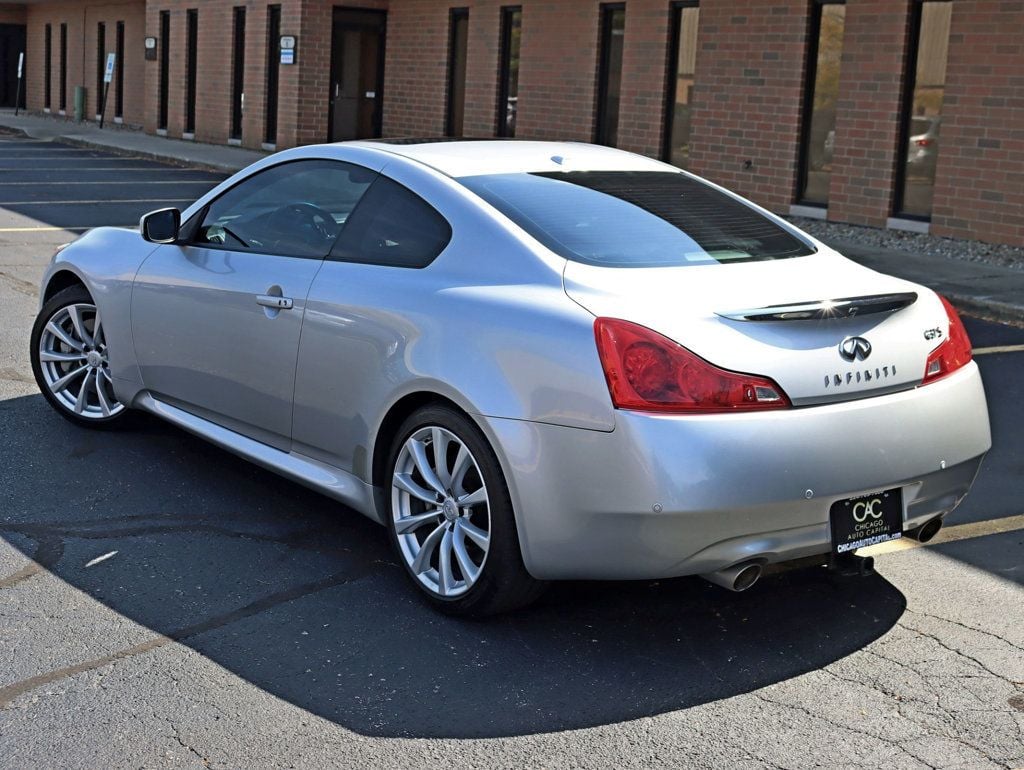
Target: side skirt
321, 477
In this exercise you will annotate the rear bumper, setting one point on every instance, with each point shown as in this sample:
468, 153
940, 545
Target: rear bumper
662, 496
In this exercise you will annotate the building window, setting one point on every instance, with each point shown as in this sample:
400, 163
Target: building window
165, 67
458, 37
101, 63
922, 112
609, 78
119, 73
238, 73
47, 65
508, 79
828, 20
191, 67
682, 64
273, 72
63, 96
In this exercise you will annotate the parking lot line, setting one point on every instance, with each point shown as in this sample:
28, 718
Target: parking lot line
998, 349
950, 535
42, 229
5, 204
118, 169
120, 183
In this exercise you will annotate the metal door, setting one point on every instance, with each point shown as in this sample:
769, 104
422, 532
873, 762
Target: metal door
357, 75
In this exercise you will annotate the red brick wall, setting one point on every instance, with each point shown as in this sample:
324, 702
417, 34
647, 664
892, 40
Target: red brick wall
869, 111
12, 14
81, 67
416, 66
979, 190
747, 97
644, 70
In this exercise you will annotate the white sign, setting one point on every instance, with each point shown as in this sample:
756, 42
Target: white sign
287, 41
21, 63
287, 56
108, 73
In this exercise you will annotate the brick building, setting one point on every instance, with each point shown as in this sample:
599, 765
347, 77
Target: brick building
899, 113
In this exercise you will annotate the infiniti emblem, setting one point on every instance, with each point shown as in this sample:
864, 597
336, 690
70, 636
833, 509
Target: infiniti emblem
854, 349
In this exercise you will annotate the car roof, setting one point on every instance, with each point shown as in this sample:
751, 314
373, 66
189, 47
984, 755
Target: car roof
507, 156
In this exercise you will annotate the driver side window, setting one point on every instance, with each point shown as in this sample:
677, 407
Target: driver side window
296, 209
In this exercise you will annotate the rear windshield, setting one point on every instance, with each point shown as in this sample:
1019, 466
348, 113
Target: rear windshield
635, 218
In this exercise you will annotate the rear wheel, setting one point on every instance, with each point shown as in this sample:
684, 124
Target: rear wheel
450, 517
70, 360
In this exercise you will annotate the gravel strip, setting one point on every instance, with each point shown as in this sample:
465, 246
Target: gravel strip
917, 243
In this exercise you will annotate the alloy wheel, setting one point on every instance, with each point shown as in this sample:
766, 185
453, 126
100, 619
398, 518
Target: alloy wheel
74, 363
441, 511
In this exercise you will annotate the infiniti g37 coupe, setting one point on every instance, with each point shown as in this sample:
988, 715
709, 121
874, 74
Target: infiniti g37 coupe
530, 361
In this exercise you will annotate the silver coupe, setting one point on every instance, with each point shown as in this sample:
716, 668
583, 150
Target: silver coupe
531, 361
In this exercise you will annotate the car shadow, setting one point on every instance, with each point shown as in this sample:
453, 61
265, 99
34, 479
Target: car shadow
303, 598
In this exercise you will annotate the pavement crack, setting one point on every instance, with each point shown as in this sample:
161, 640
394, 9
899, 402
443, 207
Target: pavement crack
10, 692
48, 553
955, 651
966, 627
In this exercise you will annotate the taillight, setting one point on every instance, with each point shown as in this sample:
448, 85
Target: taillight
651, 373
954, 352
922, 142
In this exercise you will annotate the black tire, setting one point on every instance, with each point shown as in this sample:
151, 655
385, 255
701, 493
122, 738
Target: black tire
69, 296
503, 584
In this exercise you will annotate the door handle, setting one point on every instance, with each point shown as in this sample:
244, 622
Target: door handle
278, 303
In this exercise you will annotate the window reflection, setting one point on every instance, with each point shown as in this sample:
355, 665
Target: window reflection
681, 85
613, 28
820, 131
924, 116
508, 100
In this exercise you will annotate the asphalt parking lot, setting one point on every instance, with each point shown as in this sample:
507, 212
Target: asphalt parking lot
165, 604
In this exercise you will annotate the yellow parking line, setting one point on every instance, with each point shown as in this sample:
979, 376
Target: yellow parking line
950, 535
998, 349
69, 203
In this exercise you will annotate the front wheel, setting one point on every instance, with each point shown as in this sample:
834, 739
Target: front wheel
69, 356
450, 517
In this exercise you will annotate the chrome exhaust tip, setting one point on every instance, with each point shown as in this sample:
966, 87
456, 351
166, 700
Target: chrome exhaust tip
927, 531
736, 578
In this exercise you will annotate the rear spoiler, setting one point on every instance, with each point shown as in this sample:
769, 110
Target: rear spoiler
825, 309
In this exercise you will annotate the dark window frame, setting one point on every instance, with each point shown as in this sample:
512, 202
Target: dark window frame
119, 72
807, 101
455, 15
63, 74
191, 68
191, 227
505, 68
907, 108
607, 12
238, 20
101, 63
273, 75
676, 8
48, 66
165, 70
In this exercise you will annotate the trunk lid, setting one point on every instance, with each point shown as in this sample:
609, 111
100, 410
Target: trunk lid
689, 305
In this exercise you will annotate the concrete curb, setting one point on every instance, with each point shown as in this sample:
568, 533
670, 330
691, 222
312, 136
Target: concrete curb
987, 310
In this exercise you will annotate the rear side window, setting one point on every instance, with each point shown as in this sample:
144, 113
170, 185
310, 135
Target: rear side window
392, 226
635, 218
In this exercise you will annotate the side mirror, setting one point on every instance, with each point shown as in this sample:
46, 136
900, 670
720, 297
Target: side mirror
161, 226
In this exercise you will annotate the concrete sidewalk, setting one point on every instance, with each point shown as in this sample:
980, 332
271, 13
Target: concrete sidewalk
979, 288
126, 141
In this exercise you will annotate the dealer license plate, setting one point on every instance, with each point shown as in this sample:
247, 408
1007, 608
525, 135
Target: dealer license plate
868, 520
